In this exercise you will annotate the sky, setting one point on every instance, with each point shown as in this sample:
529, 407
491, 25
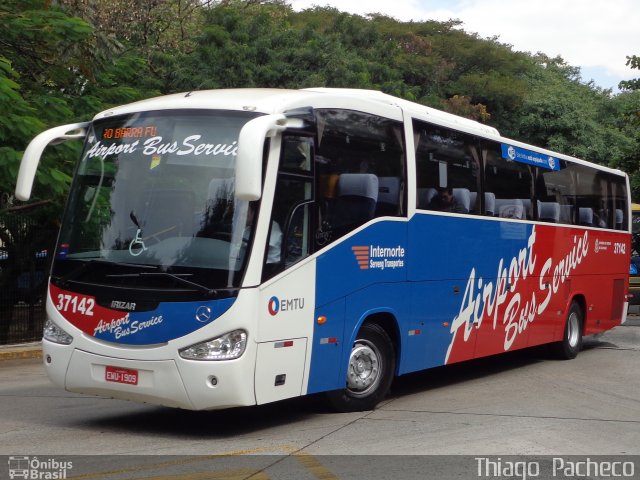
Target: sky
595, 35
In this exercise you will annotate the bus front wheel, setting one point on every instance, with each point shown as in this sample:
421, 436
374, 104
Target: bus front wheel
369, 372
571, 342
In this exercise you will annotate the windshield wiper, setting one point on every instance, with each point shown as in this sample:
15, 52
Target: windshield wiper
177, 277
96, 261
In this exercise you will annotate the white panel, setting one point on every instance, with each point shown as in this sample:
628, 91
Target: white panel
283, 359
287, 304
159, 382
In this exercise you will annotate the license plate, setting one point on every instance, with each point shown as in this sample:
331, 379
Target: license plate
121, 375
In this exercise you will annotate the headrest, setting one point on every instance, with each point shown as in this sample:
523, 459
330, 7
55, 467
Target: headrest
549, 211
463, 197
359, 185
509, 207
388, 189
586, 215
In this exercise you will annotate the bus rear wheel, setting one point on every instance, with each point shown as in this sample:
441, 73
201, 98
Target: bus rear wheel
571, 343
369, 372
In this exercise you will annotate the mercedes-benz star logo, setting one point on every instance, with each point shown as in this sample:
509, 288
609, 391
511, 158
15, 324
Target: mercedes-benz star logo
203, 314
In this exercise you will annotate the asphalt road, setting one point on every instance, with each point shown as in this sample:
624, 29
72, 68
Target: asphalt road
523, 404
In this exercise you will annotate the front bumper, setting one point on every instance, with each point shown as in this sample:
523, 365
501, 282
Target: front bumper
173, 382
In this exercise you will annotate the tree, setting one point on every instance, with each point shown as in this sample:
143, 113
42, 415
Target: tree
564, 114
634, 62
39, 71
626, 114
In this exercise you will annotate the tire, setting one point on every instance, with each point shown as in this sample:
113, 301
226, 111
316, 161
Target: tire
571, 343
369, 373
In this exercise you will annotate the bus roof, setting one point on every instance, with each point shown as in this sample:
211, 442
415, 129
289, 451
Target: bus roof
273, 100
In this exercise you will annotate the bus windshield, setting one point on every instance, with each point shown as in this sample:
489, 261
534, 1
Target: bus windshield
152, 204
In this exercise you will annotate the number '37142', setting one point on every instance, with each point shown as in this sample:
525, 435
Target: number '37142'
75, 304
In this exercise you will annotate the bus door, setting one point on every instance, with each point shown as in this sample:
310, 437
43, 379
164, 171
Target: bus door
287, 294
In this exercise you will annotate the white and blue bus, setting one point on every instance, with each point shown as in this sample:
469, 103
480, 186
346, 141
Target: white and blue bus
238, 247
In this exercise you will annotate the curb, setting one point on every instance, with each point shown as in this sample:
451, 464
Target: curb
22, 351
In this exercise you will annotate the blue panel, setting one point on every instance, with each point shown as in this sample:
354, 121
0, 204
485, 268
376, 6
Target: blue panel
389, 298
376, 254
432, 304
529, 157
362, 275
448, 247
170, 320
444, 262
327, 351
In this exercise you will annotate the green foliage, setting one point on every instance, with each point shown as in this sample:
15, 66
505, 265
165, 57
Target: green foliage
625, 115
634, 62
17, 125
39, 71
65, 63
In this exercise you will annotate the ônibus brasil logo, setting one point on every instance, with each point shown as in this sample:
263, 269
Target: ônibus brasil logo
33, 467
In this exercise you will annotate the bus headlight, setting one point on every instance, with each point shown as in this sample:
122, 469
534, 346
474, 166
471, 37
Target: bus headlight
225, 347
55, 334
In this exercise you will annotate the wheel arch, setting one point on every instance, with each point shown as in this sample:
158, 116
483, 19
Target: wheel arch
389, 323
581, 301
381, 328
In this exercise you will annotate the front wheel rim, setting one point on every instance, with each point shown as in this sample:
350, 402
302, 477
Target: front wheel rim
365, 369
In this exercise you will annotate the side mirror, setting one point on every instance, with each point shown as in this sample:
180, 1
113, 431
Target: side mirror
250, 148
32, 154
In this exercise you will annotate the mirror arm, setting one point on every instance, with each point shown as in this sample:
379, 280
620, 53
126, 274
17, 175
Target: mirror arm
32, 154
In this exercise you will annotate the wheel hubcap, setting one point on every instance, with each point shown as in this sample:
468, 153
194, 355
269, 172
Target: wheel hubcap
573, 329
364, 368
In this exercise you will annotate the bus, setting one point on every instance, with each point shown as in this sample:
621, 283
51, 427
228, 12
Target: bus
634, 268
237, 247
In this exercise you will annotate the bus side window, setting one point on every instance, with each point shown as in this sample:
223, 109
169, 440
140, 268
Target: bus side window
511, 182
447, 167
356, 200
390, 195
360, 171
555, 192
619, 197
593, 197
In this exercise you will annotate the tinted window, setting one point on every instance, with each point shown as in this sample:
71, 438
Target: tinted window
510, 182
593, 197
359, 170
556, 194
620, 205
447, 169
289, 241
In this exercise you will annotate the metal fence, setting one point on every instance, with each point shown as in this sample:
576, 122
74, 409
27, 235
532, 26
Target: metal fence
24, 267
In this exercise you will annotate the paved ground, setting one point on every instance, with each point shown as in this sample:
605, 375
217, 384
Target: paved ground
522, 404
